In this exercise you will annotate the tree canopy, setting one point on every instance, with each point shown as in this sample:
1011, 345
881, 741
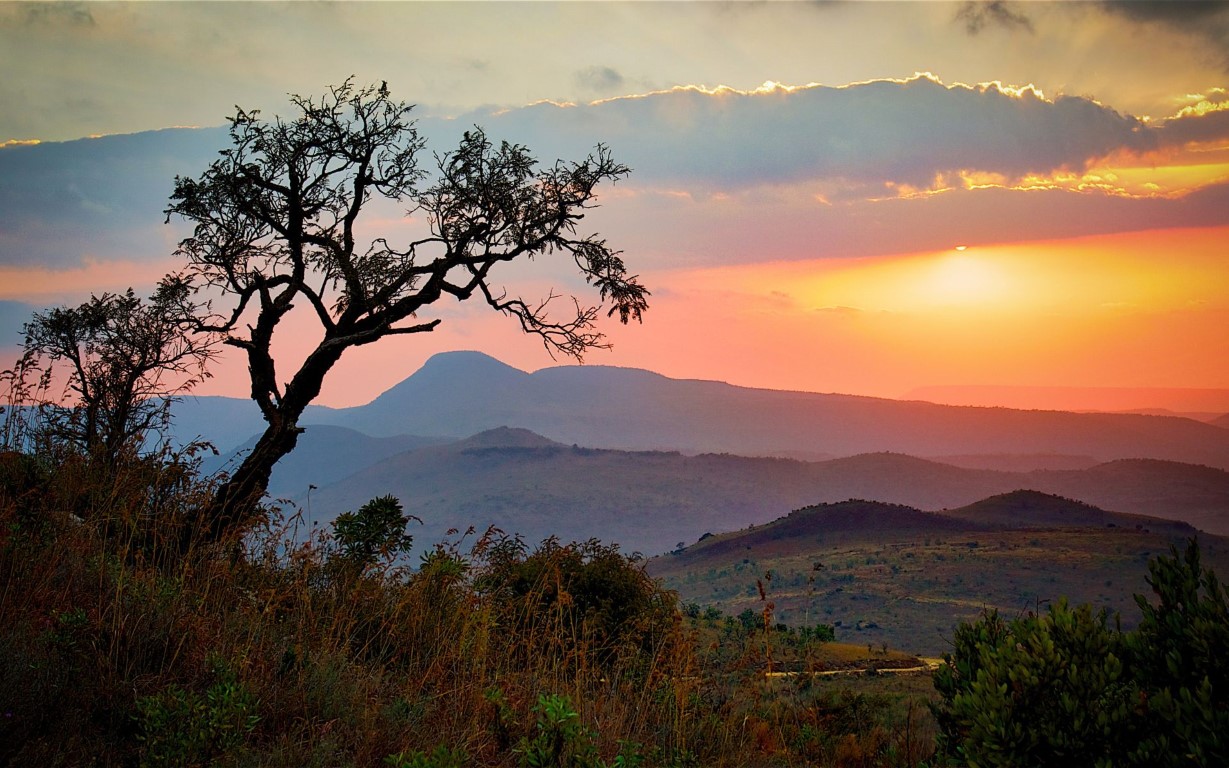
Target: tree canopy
124, 359
277, 221
1068, 688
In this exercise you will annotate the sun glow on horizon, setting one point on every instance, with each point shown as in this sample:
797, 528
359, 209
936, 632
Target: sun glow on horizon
1110, 310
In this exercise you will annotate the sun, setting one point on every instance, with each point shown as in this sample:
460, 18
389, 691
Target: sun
963, 278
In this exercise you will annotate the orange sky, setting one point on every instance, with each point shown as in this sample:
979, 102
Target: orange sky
800, 234
1102, 311
1098, 311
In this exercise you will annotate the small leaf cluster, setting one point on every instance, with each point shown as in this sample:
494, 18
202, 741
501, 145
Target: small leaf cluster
561, 740
376, 530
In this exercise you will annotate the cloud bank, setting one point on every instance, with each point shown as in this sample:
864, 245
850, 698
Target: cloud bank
874, 134
803, 165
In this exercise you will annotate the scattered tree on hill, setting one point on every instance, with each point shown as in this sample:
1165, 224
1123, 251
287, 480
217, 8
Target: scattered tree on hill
123, 360
277, 225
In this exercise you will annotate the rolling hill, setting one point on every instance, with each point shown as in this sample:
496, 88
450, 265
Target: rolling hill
884, 573
325, 454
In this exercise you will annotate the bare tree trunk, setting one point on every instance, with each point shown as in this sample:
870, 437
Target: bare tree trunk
236, 504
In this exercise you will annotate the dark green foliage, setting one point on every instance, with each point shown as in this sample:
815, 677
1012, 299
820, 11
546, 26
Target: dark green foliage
441, 757
376, 530
1047, 689
560, 739
1180, 652
590, 589
183, 727
1067, 688
820, 633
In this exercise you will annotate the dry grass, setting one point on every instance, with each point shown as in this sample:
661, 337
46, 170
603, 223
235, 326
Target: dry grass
115, 650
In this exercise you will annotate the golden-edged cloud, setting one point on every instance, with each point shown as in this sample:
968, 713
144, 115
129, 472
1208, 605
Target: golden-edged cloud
722, 175
872, 138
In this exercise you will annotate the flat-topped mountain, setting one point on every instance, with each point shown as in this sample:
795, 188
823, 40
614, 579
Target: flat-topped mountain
462, 393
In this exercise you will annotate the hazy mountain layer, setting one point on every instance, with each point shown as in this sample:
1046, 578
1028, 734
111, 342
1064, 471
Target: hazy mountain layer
325, 454
462, 393
651, 501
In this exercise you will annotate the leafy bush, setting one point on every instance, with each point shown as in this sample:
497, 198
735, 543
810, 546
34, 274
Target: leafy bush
440, 757
182, 727
376, 530
1179, 654
1044, 689
560, 739
588, 590
1066, 688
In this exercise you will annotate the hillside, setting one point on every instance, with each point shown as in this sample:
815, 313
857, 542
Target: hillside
649, 501
462, 393
891, 574
325, 454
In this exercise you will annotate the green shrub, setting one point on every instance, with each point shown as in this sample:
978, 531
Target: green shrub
376, 530
1179, 655
183, 727
440, 757
1046, 689
1066, 688
588, 590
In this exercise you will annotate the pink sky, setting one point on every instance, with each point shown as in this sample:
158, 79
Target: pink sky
1044, 207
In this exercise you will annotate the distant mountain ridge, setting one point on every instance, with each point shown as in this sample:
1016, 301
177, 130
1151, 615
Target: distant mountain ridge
1104, 399
649, 501
325, 454
457, 394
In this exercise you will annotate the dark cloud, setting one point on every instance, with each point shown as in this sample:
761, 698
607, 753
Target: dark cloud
599, 79
1182, 13
100, 198
1207, 19
976, 16
898, 132
49, 14
764, 230
689, 149
1202, 128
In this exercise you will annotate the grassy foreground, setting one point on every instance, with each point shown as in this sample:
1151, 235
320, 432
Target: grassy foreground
117, 650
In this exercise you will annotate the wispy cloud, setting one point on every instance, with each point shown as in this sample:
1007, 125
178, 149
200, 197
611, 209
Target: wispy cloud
976, 16
601, 80
47, 14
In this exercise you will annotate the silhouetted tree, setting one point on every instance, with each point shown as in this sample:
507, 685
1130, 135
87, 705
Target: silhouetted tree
124, 360
277, 225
